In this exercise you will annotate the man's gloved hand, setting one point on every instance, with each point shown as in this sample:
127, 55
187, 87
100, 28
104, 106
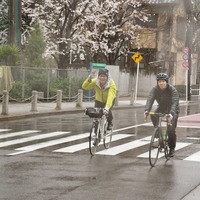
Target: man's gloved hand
170, 117
105, 111
146, 113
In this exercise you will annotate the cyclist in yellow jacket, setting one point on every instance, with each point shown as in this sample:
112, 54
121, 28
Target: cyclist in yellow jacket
105, 92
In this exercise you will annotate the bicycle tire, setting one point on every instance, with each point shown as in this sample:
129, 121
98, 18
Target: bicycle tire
166, 149
154, 147
107, 137
92, 139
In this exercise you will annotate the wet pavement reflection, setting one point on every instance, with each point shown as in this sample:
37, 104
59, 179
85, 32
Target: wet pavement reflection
46, 174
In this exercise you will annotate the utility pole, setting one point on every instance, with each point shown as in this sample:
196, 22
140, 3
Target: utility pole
14, 15
189, 45
11, 18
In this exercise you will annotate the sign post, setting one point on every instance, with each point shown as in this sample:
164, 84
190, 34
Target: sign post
137, 57
97, 66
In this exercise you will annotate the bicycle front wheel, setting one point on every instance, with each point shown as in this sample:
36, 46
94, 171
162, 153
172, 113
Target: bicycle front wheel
93, 140
107, 137
154, 147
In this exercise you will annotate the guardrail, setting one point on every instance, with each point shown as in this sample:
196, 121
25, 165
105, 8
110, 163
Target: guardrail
58, 99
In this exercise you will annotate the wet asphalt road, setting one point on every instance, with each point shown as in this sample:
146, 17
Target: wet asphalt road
47, 175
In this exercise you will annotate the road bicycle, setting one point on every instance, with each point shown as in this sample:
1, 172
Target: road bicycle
98, 131
159, 139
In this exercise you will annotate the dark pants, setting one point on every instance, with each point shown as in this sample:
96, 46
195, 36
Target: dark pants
99, 104
171, 129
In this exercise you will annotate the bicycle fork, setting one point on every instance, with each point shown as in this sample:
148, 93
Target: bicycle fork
102, 126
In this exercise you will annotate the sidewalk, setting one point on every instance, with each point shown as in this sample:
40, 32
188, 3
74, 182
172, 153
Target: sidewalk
23, 110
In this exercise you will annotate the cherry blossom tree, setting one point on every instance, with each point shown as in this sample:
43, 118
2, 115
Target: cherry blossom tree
3, 21
105, 28
110, 28
57, 19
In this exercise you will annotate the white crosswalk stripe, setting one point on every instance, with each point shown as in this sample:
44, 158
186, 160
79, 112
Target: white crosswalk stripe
179, 145
194, 157
65, 139
3, 130
124, 147
49, 143
18, 133
78, 147
32, 138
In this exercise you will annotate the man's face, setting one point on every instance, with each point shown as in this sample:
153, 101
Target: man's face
162, 84
103, 78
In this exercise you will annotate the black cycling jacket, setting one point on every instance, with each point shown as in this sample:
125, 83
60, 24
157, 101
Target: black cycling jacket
167, 99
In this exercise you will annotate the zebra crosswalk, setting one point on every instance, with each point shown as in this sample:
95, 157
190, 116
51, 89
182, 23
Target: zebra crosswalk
65, 142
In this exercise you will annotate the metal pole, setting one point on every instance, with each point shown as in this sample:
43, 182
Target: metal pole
23, 83
136, 85
48, 82
18, 22
186, 84
11, 16
189, 45
14, 13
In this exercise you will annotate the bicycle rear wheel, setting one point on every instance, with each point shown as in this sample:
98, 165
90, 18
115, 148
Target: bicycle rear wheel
154, 147
166, 149
93, 140
107, 136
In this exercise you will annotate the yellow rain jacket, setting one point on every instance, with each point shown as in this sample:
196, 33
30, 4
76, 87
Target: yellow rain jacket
106, 95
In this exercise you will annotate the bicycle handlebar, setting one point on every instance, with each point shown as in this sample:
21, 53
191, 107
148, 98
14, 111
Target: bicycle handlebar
165, 117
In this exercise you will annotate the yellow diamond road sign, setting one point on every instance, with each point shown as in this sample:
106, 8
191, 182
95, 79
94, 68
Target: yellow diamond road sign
137, 57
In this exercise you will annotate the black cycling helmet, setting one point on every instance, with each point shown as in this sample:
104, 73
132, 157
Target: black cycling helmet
103, 71
162, 76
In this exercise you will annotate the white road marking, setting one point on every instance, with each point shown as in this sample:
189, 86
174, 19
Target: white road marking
193, 138
179, 145
7, 135
128, 127
2, 130
77, 147
85, 145
194, 157
28, 139
34, 147
178, 126
124, 147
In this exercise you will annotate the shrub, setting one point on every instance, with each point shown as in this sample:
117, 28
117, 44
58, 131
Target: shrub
9, 55
16, 91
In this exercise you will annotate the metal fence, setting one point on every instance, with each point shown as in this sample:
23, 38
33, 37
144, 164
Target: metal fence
46, 81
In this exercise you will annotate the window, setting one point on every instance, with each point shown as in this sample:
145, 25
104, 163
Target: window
151, 23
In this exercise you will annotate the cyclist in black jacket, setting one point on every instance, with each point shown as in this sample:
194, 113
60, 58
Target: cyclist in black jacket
167, 98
